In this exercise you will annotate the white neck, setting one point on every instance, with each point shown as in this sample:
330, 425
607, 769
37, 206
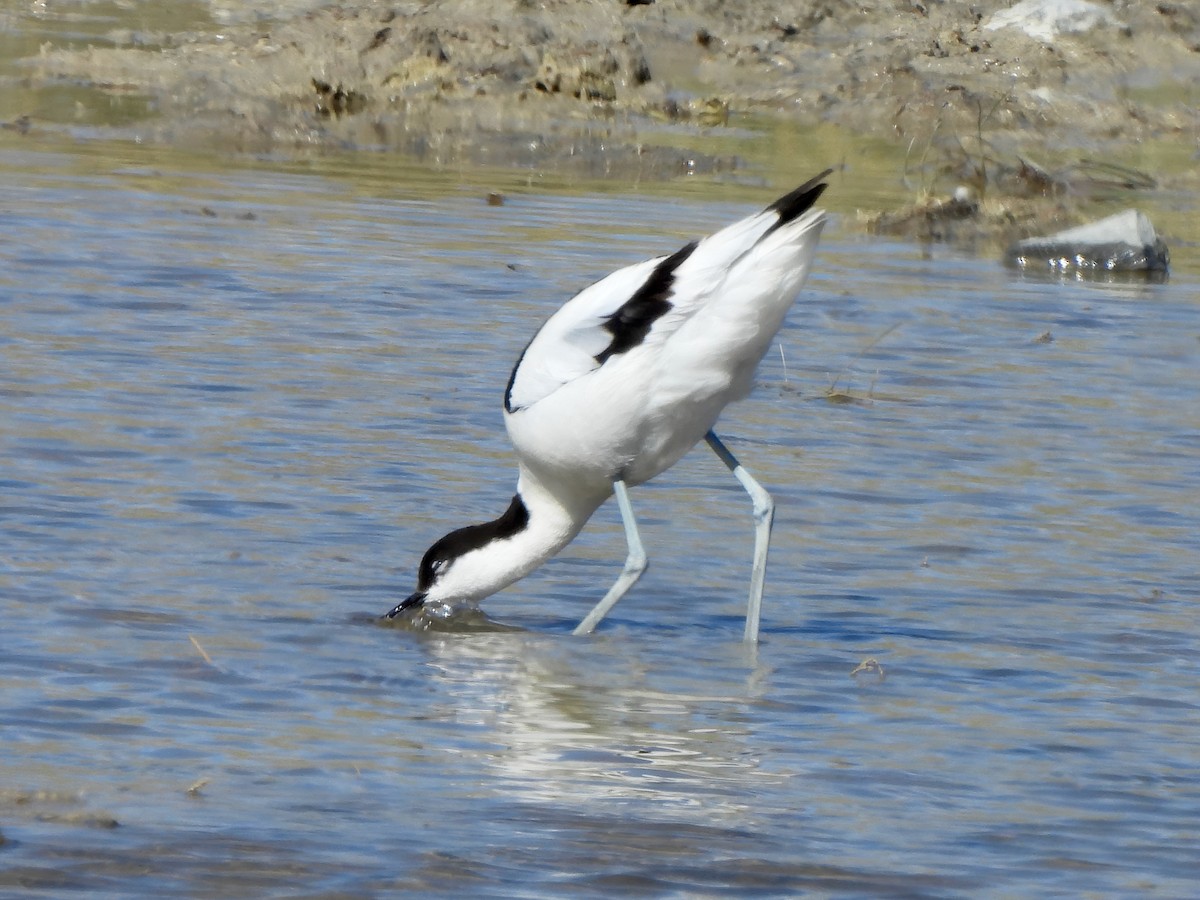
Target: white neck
555, 517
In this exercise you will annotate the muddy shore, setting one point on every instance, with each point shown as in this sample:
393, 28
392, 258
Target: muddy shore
967, 99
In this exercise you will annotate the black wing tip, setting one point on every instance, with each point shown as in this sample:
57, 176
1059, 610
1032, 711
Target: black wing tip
794, 204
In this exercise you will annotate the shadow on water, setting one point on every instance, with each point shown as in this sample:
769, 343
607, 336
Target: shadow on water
442, 620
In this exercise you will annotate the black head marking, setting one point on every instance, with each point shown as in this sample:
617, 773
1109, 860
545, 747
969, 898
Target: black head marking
443, 554
630, 324
793, 205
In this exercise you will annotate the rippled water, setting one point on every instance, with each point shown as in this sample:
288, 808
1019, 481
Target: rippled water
236, 404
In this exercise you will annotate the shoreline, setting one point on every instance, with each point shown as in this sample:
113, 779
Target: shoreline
603, 87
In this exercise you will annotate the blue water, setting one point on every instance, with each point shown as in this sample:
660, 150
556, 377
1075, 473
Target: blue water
238, 401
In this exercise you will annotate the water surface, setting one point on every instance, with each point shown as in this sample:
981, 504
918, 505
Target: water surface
237, 402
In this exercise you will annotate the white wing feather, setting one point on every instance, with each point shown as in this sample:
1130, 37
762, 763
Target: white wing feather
567, 345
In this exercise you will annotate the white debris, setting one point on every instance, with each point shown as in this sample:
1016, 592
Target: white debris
1046, 19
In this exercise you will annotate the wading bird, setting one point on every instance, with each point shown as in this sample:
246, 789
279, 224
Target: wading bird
621, 382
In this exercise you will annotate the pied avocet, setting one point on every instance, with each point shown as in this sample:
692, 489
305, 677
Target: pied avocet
618, 385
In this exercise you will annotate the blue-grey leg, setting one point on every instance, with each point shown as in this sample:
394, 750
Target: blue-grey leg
764, 515
635, 564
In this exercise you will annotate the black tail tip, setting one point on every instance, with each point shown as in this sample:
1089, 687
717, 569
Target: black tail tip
794, 204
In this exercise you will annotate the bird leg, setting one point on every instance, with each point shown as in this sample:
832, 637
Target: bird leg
764, 515
635, 563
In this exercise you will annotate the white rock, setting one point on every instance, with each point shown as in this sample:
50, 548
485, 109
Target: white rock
1125, 242
1128, 227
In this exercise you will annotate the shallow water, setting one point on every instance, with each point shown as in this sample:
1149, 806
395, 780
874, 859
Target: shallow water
238, 402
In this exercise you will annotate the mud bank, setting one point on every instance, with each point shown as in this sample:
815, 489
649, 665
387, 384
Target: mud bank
966, 98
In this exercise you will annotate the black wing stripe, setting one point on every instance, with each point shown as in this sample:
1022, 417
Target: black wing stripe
630, 324
512, 379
